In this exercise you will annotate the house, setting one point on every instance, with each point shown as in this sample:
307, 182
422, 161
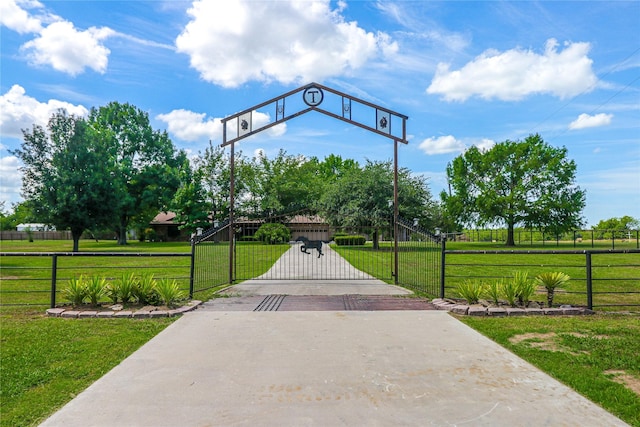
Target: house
313, 227
167, 229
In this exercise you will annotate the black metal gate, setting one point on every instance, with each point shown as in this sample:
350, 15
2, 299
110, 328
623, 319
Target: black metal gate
365, 253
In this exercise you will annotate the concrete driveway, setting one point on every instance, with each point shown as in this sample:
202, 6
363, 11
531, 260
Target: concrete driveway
326, 368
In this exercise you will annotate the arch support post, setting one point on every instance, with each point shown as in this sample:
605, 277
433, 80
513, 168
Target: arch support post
232, 181
395, 212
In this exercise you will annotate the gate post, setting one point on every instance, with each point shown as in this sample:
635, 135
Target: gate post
232, 168
589, 281
442, 265
192, 268
54, 272
395, 211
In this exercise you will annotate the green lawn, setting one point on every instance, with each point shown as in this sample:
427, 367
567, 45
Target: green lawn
595, 355
48, 361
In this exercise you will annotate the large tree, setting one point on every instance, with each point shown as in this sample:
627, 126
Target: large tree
66, 179
527, 183
190, 201
145, 174
212, 173
281, 185
363, 197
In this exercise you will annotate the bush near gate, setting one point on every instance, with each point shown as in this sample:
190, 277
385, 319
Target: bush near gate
353, 240
273, 233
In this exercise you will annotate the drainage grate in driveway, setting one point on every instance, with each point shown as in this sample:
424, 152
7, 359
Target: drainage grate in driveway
318, 303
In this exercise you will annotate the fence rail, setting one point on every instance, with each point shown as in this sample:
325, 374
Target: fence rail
599, 278
40, 272
575, 238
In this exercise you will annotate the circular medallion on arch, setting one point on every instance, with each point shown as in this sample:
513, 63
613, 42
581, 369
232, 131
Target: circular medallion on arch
313, 96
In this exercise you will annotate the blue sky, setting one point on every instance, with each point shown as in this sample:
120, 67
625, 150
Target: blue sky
466, 73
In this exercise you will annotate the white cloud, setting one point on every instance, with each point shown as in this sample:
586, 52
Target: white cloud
517, 73
233, 42
190, 126
58, 44
16, 18
449, 144
10, 180
69, 50
485, 144
587, 121
19, 111
441, 145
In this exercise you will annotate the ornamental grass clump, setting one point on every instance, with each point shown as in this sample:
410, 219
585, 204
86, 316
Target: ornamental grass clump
493, 292
169, 292
551, 281
75, 291
111, 291
525, 287
126, 287
145, 290
470, 291
95, 288
509, 292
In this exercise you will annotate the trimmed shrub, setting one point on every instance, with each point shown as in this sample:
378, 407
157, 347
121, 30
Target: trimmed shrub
351, 240
273, 233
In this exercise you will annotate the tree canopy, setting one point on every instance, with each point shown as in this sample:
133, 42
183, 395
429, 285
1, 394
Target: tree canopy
607, 227
363, 197
526, 183
66, 175
145, 164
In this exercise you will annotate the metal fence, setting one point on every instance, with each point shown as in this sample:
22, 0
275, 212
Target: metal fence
614, 239
211, 259
419, 258
32, 278
607, 279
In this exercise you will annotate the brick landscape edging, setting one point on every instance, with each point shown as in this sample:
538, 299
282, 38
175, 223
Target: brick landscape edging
478, 310
71, 313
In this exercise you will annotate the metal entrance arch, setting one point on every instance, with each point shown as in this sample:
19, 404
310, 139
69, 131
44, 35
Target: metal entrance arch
333, 103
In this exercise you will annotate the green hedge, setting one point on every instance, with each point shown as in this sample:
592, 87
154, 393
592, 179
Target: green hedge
353, 240
273, 233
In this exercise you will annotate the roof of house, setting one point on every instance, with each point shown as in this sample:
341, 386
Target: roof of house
164, 218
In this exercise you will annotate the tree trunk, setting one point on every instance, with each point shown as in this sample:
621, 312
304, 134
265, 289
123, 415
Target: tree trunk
510, 237
76, 234
376, 243
122, 236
